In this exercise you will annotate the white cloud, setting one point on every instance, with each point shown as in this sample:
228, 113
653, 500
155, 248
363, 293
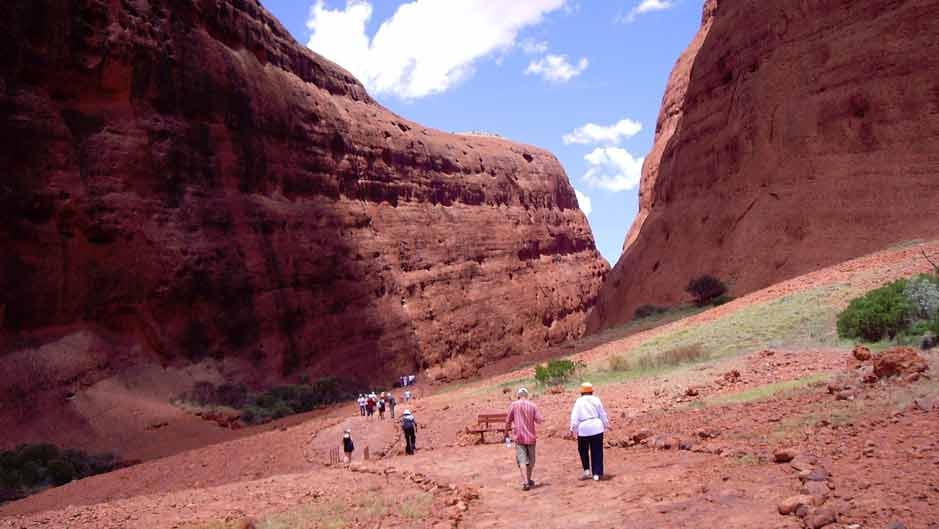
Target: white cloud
584, 202
534, 47
593, 133
556, 68
612, 169
427, 46
648, 6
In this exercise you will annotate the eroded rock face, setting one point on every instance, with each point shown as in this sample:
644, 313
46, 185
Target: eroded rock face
182, 175
793, 135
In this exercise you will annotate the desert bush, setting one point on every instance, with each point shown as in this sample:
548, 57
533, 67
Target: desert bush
60, 472
31, 468
619, 363
670, 358
885, 311
645, 311
275, 403
923, 293
557, 372
721, 300
705, 289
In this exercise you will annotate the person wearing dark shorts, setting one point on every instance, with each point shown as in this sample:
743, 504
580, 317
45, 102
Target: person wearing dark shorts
522, 417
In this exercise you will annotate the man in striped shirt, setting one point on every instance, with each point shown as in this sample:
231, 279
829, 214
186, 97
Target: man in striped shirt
522, 417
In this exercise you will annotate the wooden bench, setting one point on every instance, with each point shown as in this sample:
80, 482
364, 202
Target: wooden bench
489, 422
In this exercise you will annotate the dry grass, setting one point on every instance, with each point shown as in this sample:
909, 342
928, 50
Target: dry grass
678, 356
338, 514
767, 390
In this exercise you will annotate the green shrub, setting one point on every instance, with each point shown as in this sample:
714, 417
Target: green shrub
558, 372
721, 300
61, 472
32, 468
705, 289
646, 311
885, 311
277, 402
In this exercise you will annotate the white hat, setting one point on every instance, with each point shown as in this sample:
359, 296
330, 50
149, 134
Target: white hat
407, 412
522, 392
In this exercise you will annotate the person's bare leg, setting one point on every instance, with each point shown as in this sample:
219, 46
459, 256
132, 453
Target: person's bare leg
524, 469
528, 470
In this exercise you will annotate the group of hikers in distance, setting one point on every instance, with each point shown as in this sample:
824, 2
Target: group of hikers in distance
384, 401
588, 422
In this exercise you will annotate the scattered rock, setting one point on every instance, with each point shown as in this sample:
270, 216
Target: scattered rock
815, 474
785, 455
899, 361
707, 433
896, 524
641, 435
804, 462
821, 517
731, 376
791, 504
818, 490
924, 404
861, 353
691, 392
847, 394
556, 390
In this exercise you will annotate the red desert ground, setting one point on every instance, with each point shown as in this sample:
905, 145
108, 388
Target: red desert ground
215, 240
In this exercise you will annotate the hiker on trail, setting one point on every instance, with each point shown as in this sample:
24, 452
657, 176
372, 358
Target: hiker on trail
391, 404
347, 445
361, 402
381, 408
407, 396
522, 417
370, 406
409, 427
588, 421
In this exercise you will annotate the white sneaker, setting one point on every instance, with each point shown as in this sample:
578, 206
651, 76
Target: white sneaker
596, 478
586, 475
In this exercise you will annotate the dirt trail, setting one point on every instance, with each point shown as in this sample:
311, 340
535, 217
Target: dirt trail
880, 449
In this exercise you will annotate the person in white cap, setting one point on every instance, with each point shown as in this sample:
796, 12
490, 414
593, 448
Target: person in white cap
588, 422
522, 417
409, 427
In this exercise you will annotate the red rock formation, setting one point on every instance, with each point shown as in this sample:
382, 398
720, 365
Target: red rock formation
183, 180
793, 135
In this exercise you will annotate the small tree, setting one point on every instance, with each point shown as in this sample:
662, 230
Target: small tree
706, 288
881, 312
558, 372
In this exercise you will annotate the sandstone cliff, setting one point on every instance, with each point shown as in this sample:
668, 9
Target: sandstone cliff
183, 180
793, 135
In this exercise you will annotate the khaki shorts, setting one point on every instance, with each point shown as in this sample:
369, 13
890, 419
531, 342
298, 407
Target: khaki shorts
525, 454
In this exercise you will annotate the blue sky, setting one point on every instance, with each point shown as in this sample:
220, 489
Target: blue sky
534, 71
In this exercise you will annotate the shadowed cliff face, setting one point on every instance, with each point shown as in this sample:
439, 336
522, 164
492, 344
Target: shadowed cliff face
793, 135
186, 180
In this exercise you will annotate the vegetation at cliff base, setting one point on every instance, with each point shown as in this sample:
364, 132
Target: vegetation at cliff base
31, 468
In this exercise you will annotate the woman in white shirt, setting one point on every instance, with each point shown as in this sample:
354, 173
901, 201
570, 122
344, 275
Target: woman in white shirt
588, 421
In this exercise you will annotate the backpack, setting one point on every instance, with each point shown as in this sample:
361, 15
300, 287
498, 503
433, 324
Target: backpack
408, 422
